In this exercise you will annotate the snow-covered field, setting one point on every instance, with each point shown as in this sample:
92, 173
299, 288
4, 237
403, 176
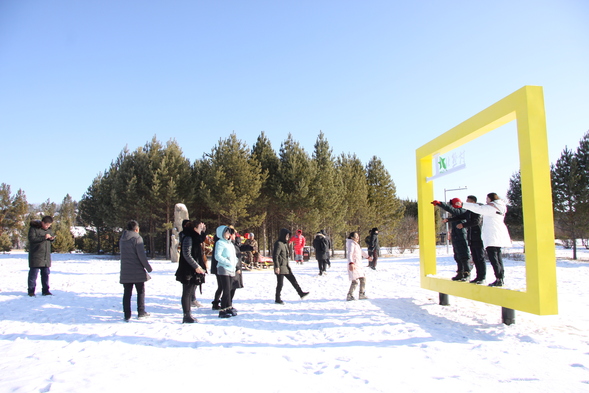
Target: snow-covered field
400, 340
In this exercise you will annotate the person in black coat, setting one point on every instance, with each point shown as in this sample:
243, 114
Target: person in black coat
321, 244
191, 266
459, 241
373, 248
473, 225
40, 239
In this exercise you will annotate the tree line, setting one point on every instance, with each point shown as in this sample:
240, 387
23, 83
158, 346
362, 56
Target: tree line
16, 214
570, 197
255, 189
260, 190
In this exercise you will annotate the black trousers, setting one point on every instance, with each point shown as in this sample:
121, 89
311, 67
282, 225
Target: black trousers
188, 289
374, 255
128, 291
322, 265
478, 258
219, 291
494, 254
32, 281
226, 284
280, 283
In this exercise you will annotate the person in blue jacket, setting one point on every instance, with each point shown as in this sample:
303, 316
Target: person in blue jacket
226, 266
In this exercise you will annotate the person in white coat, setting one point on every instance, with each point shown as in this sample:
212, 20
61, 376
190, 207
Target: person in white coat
355, 268
494, 232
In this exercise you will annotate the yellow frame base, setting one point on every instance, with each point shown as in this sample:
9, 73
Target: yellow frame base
526, 106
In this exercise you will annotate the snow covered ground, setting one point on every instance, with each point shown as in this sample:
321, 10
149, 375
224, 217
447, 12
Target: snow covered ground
399, 340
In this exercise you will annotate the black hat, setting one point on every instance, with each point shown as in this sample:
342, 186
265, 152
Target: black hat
374, 230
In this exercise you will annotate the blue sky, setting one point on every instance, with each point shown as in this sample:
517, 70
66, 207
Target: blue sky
79, 81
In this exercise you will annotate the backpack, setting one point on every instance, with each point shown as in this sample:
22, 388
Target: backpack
367, 240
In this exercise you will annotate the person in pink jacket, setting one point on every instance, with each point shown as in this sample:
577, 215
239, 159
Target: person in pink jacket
298, 242
355, 268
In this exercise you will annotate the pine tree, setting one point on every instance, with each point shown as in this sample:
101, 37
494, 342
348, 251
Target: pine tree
169, 178
47, 208
19, 211
12, 214
67, 210
64, 240
567, 190
5, 203
5, 242
267, 205
91, 207
387, 210
514, 218
231, 182
326, 212
355, 193
582, 155
295, 174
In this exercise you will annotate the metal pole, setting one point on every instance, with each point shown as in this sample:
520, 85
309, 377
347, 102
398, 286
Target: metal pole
444, 299
507, 316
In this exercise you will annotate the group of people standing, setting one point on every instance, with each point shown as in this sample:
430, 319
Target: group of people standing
322, 246
225, 264
476, 227
192, 267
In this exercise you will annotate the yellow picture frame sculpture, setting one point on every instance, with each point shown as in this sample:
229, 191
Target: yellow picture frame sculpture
526, 106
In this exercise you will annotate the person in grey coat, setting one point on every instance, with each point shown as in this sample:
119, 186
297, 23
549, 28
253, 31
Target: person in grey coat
133, 269
40, 239
281, 267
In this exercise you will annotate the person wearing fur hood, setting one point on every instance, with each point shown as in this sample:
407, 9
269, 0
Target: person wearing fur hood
355, 268
281, 267
494, 232
134, 269
226, 266
191, 266
40, 239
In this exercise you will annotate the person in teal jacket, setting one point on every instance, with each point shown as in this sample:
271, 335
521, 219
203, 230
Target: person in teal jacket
226, 265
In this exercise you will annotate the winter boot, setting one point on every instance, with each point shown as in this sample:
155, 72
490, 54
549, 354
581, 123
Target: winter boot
143, 315
477, 280
362, 296
232, 311
350, 297
216, 305
47, 293
303, 294
465, 276
224, 313
278, 301
458, 276
188, 318
32, 293
497, 283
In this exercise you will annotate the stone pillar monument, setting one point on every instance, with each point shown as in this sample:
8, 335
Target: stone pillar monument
180, 214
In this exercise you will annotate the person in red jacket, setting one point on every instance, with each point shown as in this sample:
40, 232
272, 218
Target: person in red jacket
298, 242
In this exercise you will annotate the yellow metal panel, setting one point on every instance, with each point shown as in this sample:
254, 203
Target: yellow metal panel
525, 105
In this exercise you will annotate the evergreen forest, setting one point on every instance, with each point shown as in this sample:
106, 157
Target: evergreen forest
259, 189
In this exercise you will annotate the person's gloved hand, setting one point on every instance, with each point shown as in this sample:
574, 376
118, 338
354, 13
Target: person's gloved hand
436, 203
